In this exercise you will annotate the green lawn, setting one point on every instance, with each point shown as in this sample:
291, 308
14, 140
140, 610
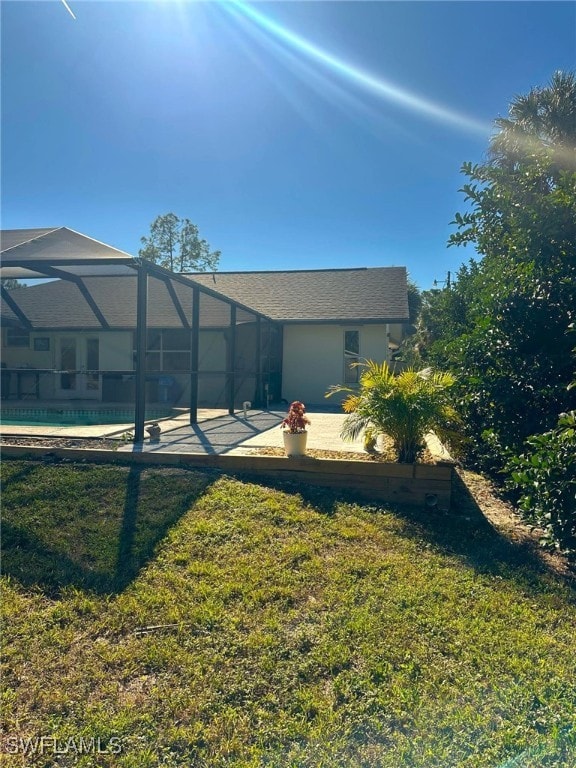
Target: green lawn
203, 621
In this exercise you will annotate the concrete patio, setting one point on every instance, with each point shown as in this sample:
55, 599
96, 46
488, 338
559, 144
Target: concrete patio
217, 432
225, 434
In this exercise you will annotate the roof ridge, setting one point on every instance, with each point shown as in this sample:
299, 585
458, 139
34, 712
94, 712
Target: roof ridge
286, 271
48, 231
93, 239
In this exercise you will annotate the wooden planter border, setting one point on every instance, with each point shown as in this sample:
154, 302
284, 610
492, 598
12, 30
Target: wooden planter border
427, 485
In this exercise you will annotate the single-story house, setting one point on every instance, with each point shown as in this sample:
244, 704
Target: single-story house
260, 336
329, 319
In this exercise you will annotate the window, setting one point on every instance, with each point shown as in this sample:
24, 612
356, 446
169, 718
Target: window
42, 344
176, 339
93, 363
167, 349
68, 363
17, 337
351, 356
176, 361
153, 338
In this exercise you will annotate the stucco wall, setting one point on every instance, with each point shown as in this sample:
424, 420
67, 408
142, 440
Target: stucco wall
115, 350
115, 355
314, 358
16, 357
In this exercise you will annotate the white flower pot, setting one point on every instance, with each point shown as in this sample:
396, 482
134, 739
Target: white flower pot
295, 444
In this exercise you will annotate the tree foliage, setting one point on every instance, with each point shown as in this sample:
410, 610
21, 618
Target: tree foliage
414, 301
503, 325
545, 477
175, 244
10, 283
544, 118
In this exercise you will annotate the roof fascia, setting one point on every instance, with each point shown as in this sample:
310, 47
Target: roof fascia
121, 328
348, 321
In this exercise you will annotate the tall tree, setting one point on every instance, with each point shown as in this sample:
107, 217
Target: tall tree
543, 119
175, 244
504, 324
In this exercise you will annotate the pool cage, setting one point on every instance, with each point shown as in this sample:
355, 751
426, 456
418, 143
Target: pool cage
118, 331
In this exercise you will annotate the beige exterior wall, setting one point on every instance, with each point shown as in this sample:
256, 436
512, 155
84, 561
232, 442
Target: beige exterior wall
314, 358
115, 350
115, 355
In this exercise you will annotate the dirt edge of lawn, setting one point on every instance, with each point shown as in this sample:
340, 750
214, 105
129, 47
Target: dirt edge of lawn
502, 515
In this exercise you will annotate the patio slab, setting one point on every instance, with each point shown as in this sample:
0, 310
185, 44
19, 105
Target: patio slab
237, 435
104, 430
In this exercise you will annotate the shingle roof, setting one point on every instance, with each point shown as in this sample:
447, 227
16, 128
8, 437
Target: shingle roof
60, 305
347, 295
342, 295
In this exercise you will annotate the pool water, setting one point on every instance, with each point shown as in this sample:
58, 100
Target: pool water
79, 417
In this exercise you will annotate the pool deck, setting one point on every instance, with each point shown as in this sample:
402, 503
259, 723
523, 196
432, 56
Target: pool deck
98, 430
217, 432
237, 435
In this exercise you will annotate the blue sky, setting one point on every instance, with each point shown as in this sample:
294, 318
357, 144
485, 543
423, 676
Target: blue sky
296, 135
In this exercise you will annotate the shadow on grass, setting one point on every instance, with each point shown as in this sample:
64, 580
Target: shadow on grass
20, 475
128, 555
464, 532
96, 526
467, 533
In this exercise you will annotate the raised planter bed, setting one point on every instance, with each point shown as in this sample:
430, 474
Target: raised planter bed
428, 485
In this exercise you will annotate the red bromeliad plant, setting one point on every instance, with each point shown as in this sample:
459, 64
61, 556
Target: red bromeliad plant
296, 420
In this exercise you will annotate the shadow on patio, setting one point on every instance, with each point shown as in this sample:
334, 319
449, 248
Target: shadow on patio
213, 436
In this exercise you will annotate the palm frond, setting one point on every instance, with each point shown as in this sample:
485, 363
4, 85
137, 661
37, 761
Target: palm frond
353, 426
405, 406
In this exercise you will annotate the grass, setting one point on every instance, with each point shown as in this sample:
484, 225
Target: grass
206, 621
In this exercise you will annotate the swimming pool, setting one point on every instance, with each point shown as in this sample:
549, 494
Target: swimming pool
69, 417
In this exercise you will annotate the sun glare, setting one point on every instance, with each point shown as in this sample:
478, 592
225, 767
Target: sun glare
65, 4
377, 86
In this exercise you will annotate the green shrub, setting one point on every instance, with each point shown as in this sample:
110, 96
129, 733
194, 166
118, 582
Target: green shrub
405, 407
545, 477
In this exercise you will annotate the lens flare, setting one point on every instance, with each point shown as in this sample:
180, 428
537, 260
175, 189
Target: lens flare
68, 9
375, 85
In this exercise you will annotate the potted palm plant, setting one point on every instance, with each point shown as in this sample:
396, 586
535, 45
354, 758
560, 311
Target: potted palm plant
294, 429
405, 407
